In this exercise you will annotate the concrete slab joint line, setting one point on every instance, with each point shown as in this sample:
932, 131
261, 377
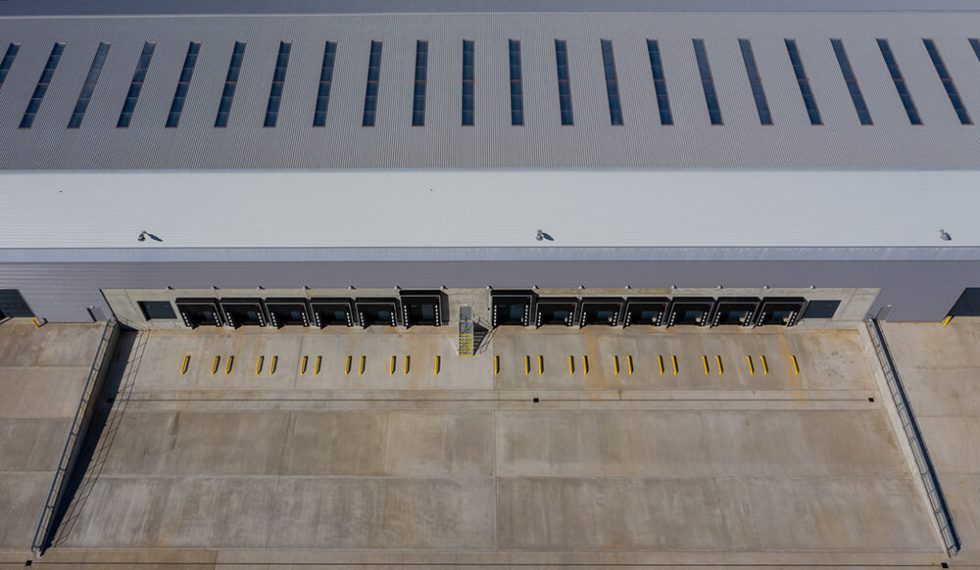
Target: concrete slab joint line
923, 463
76, 435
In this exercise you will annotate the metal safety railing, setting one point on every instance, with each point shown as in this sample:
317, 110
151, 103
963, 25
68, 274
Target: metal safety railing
79, 425
927, 470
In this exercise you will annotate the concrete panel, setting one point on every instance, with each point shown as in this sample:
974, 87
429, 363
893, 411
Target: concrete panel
711, 514
857, 514
65, 345
692, 443
610, 514
957, 450
198, 443
337, 443
949, 393
801, 444
167, 512
41, 392
21, 499
383, 513
424, 444
288, 512
32, 444
608, 444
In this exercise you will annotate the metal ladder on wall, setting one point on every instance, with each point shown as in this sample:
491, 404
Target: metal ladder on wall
466, 346
79, 425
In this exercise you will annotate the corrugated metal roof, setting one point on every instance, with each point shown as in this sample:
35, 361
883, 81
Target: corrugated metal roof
493, 143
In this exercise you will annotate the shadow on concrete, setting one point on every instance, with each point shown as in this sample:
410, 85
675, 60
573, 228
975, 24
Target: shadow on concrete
113, 402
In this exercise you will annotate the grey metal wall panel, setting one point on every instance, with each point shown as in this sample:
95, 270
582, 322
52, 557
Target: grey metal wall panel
918, 290
443, 143
124, 7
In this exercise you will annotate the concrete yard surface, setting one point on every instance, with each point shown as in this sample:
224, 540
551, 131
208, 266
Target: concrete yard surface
940, 368
740, 464
42, 373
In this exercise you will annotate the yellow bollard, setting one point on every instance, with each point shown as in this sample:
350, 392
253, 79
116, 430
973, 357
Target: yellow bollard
946, 321
585, 364
629, 364
615, 365
391, 365
571, 365
185, 364
316, 366
527, 365
347, 365
796, 365
360, 371
408, 364
673, 361
436, 364
37, 323
496, 364
660, 361
258, 364
721, 367
215, 364
229, 364
748, 359
540, 364
704, 362
302, 365
765, 364
272, 365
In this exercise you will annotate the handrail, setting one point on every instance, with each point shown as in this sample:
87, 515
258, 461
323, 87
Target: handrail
927, 470
69, 452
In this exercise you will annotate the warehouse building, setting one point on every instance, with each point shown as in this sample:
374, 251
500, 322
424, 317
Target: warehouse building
623, 163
